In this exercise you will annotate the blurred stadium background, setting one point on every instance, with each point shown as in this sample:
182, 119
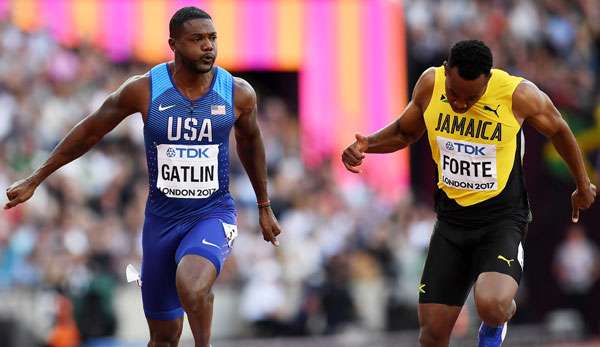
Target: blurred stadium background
353, 247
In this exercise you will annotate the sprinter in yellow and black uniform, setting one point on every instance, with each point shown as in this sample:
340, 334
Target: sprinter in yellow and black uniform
478, 153
473, 116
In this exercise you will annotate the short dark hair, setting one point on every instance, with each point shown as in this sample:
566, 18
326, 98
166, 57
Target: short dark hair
183, 15
472, 58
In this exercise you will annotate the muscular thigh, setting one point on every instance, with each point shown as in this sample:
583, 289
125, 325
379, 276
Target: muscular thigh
447, 276
160, 240
211, 239
500, 249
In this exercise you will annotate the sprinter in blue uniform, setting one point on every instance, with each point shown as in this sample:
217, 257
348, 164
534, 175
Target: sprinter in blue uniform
189, 106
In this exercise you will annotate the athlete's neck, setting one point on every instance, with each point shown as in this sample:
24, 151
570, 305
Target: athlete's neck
191, 83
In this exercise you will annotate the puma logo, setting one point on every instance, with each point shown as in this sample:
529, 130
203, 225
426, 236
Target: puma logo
487, 108
443, 99
508, 261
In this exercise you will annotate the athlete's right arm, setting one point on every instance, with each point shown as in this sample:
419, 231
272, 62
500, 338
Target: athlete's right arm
130, 98
405, 130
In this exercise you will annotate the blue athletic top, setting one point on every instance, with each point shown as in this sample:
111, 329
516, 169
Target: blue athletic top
187, 146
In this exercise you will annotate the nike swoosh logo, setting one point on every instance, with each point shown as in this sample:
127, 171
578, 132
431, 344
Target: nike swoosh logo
204, 242
161, 108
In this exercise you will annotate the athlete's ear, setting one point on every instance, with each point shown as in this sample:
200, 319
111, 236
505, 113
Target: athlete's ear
172, 44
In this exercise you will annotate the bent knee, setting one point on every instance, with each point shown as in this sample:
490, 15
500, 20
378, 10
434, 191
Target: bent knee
433, 336
164, 338
199, 289
494, 309
195, 276
197, 298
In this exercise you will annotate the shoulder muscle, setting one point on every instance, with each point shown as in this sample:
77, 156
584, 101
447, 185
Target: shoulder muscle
133, 95
424, 88
245, 96
528, 100
532, 105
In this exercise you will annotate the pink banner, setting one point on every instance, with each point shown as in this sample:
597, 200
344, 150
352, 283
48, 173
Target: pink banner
4, 8
119, 37
318, 83
257, 28
58, 20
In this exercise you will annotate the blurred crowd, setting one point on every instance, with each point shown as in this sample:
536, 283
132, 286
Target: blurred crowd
552, 42
347, 258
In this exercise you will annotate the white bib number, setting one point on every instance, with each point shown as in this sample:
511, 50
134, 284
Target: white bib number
188, 171
468, 165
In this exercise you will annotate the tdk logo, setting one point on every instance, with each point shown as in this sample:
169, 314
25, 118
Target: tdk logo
465, 148
170, 152
187, 152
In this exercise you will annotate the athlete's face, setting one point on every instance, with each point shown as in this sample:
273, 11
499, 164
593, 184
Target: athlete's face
196, 45
462, 93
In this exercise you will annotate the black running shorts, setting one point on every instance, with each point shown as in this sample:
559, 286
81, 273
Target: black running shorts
457, 255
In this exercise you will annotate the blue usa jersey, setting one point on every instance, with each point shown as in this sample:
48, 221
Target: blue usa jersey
187, 146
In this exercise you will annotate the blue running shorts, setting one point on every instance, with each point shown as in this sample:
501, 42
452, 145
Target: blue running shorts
165, 241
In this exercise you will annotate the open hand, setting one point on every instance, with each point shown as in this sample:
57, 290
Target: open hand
581, 199
354, 154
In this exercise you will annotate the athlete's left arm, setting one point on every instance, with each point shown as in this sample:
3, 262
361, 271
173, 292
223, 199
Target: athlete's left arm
251, 151
534, 107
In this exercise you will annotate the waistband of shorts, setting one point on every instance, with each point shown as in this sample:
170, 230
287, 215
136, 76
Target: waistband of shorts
225, 204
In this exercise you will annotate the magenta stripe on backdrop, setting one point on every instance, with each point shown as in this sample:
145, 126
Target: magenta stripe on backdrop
177, 4
375, 76
4, 8
317, 97
56, 17
377, 95
257, 34
119, 38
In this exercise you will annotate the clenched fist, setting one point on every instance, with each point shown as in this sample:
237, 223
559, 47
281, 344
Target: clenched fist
354, 154
19, 192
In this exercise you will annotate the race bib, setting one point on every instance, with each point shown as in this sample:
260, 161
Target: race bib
468, 165
230, 232
188, 171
